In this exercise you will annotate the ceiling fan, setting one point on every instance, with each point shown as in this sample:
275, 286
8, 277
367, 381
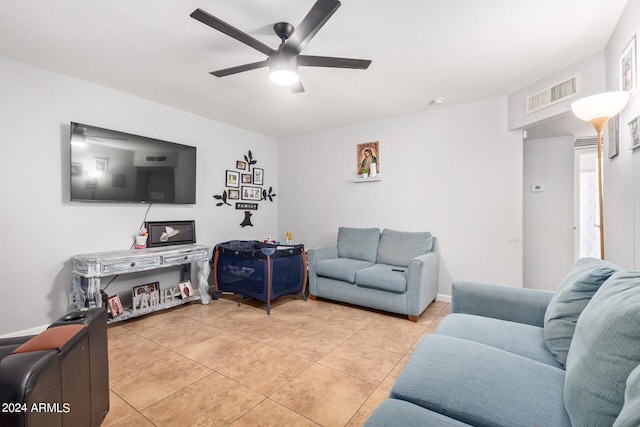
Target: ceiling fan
283, 63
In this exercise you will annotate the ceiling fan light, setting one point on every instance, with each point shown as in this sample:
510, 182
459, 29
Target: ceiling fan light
283, 76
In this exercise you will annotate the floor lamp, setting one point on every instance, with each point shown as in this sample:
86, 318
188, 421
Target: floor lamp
598, 109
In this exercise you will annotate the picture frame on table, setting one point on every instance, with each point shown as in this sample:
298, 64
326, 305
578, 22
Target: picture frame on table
166, 233
628, 64
232, 179
186, 290
115, 306
258, 176
144, 293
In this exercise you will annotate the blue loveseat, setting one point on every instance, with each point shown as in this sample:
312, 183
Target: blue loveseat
394, 271
520, 357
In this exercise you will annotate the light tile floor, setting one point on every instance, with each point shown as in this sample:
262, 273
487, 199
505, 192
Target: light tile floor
308, 364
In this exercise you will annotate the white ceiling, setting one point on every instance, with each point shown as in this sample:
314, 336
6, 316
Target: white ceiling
461, 50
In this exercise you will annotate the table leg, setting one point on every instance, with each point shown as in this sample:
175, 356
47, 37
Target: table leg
203, 281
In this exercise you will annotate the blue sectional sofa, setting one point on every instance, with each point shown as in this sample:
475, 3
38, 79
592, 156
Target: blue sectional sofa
394, 271
520, 357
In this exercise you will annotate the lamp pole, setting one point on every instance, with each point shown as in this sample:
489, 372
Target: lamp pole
598, 124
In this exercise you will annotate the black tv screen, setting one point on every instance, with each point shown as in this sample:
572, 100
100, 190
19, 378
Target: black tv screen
113, 166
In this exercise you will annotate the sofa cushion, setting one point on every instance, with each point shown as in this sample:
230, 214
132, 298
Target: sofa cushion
344, 269
358, 243
400, 247
393, 412
517, 338
574, 293
383, 277
481, 385
630, 414
604, 350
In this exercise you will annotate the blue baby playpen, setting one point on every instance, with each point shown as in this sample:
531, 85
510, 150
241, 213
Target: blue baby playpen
259, 270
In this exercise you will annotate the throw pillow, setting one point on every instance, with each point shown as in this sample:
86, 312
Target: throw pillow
574, 293
358, 243
604, 351
400, 247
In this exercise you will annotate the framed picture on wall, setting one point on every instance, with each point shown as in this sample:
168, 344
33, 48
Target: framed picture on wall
246, 178
628, 75
232, 179
612, 137
633, 129
234, 194
251, 193
258, 176
241, 165
368, 155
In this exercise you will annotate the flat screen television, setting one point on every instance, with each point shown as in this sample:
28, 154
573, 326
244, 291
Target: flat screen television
113, 166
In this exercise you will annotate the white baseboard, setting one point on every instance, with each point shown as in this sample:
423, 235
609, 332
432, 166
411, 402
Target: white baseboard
32, 331
443, 298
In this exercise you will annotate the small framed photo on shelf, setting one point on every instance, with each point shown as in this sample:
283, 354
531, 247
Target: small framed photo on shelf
232, 179
145, 295
258, 176
635, 136
186, 291
115, 306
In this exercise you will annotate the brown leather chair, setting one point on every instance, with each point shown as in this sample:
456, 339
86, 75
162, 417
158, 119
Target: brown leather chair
59, 377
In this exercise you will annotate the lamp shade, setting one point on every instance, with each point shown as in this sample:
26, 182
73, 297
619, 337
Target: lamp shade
602, 105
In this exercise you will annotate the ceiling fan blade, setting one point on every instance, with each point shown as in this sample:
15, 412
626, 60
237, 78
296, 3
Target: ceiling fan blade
297, 88
240, 68
310, 25
329, 61
231, 31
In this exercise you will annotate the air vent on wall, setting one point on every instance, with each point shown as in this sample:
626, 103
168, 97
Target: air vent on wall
585, 141
552, 94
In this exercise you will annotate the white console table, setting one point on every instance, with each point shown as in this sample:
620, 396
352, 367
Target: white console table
97, 265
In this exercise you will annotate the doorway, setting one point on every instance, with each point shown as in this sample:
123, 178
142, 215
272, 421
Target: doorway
587, 236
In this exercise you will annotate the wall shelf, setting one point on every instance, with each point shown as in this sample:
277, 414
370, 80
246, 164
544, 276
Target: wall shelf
374, 179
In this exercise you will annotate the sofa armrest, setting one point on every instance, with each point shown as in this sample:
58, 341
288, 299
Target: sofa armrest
500, 302
422, 282
314, 256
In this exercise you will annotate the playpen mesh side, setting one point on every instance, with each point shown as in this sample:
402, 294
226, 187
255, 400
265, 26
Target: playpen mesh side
242, 269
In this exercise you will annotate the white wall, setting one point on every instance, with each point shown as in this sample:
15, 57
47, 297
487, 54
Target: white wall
622, 173
454, 171
41, 229
548, 215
